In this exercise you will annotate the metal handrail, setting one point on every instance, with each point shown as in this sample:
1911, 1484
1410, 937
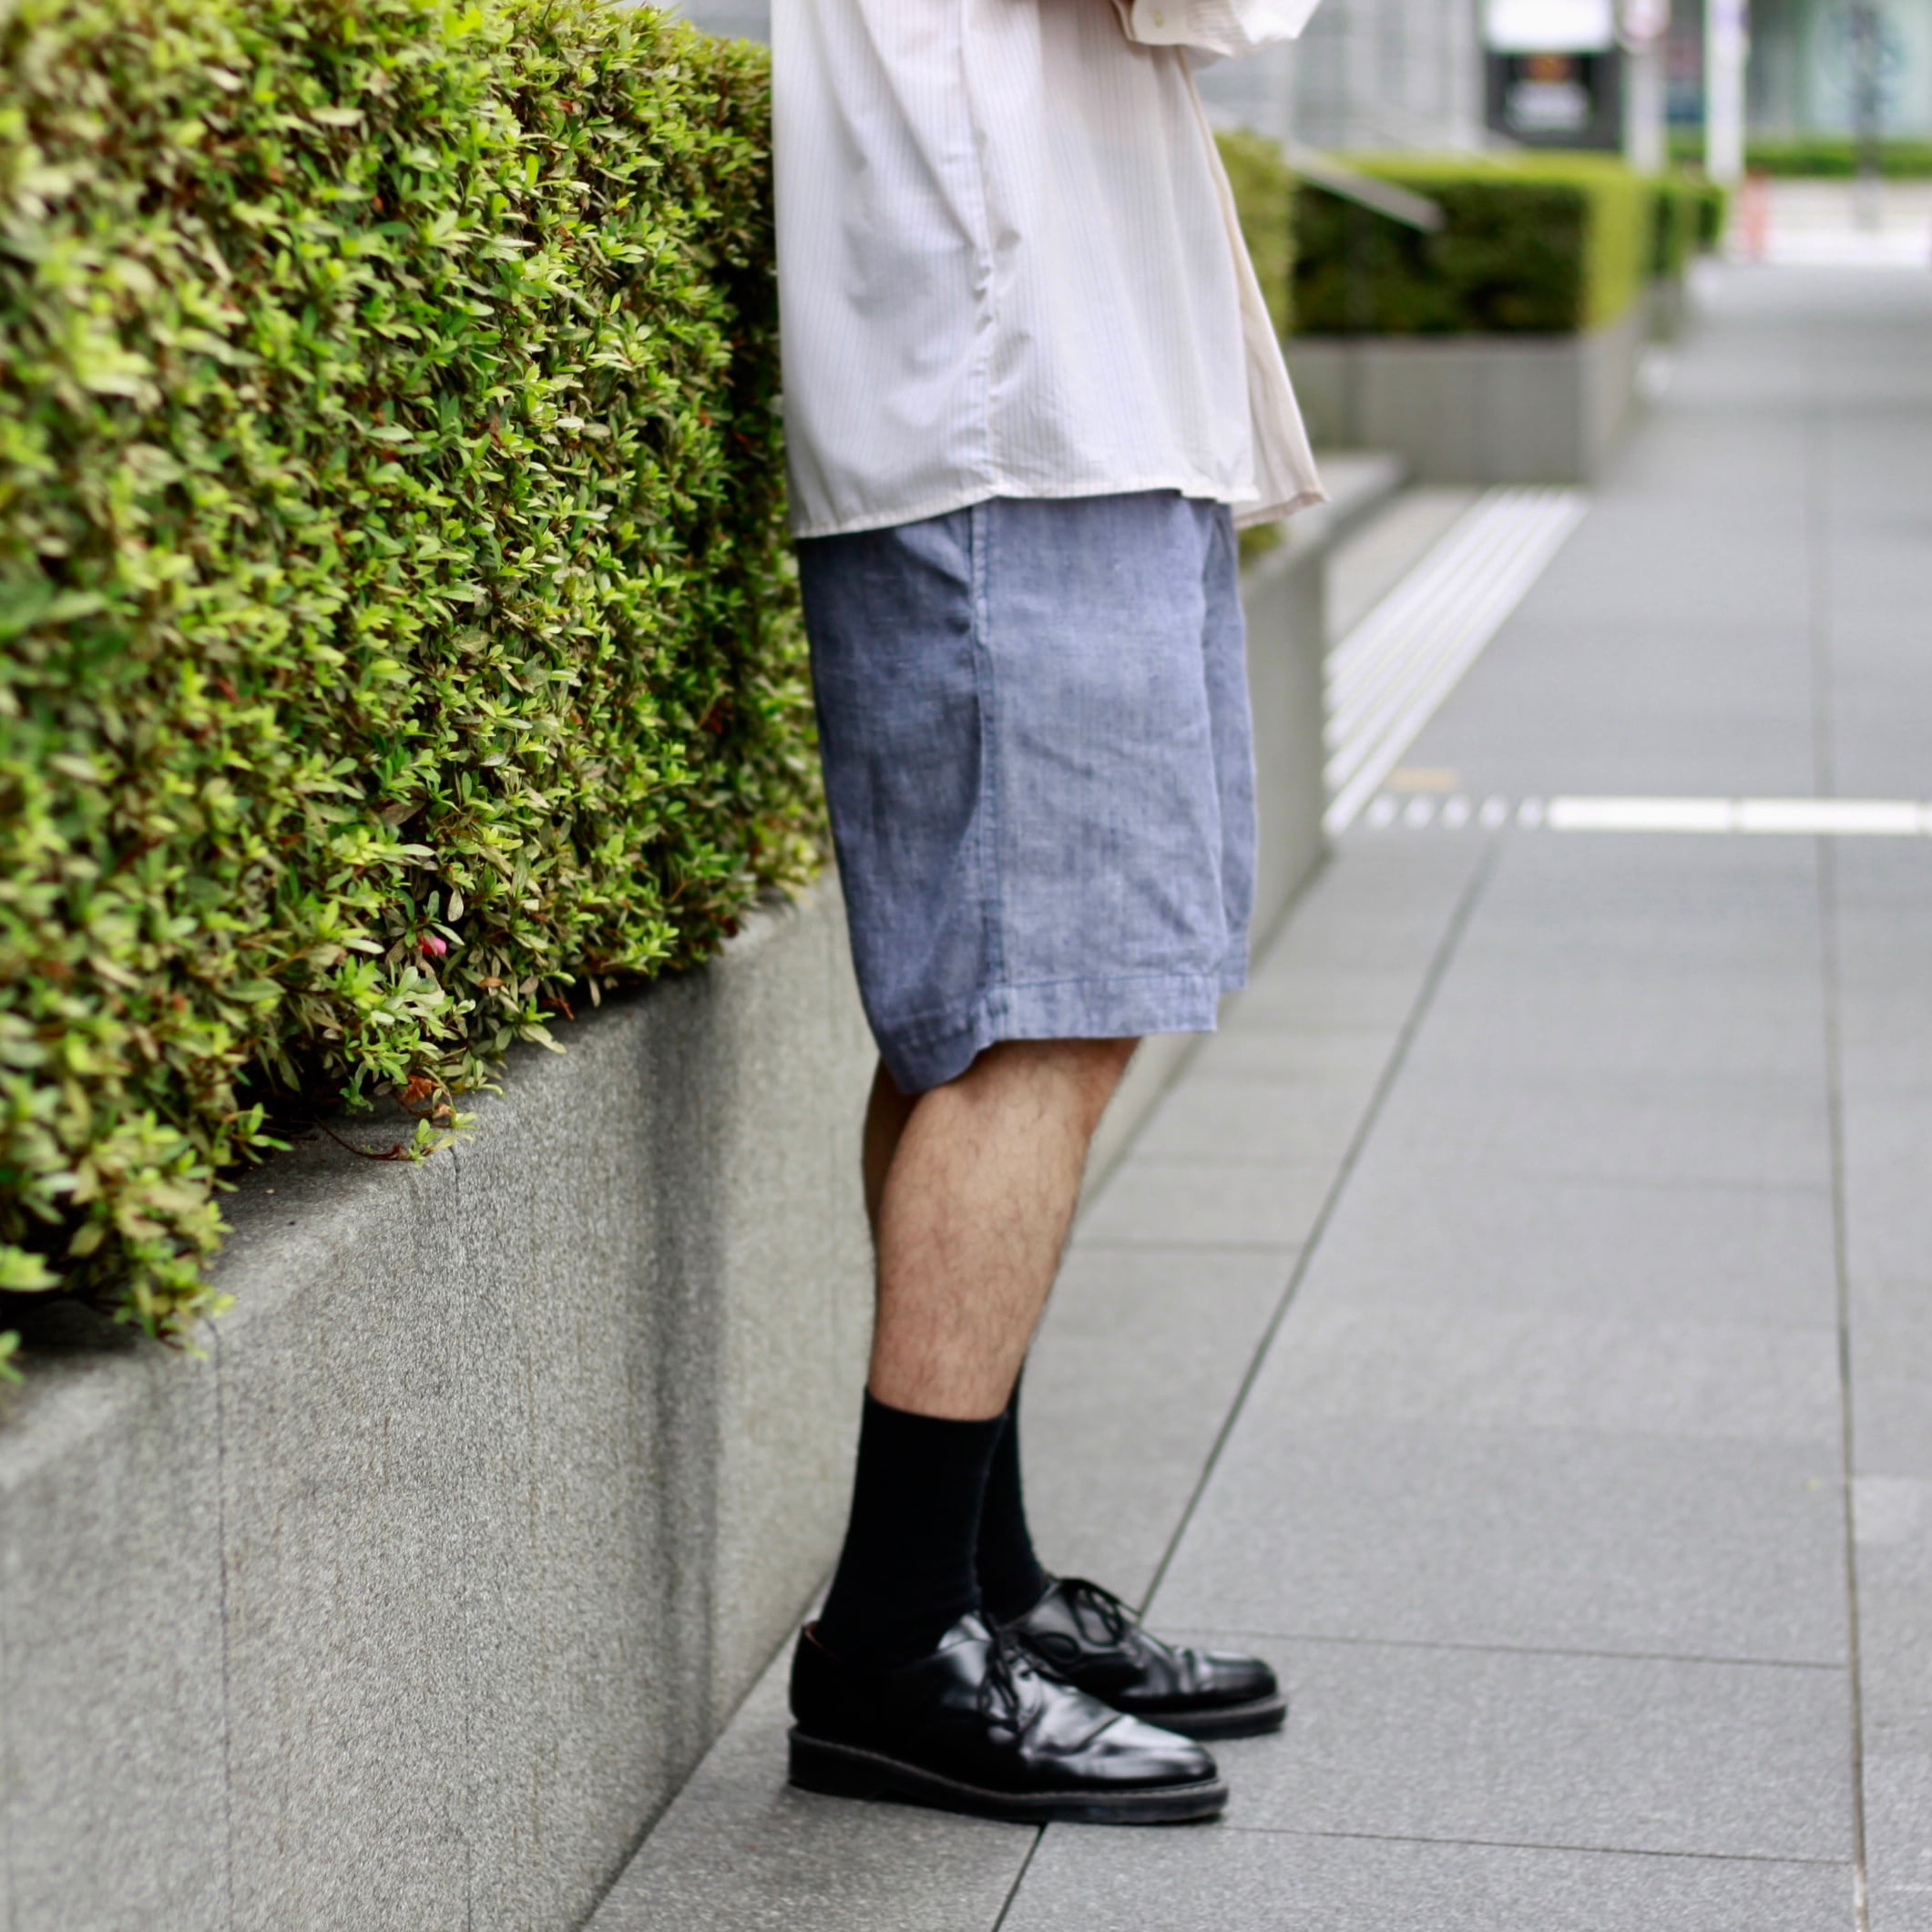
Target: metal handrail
1382, 198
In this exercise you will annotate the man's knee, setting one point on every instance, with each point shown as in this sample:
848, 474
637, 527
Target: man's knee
1105, 1061
1076, 1059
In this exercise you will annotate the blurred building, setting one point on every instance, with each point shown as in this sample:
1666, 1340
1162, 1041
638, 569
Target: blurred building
1367, 74
1373, 73
1379, 73
1805, 65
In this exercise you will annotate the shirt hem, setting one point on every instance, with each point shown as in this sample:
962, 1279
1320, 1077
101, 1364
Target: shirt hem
1246, 515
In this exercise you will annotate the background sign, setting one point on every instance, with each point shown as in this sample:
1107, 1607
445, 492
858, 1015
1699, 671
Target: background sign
1550, 27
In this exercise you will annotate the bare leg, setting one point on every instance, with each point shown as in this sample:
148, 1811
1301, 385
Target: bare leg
972, 1187
886, 1113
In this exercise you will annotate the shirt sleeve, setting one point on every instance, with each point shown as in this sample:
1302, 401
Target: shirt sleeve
1228, 28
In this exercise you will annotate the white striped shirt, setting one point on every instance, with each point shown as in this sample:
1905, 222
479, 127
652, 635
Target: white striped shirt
1009, 263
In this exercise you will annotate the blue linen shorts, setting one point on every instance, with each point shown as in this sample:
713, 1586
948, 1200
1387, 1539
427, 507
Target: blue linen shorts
1033, 720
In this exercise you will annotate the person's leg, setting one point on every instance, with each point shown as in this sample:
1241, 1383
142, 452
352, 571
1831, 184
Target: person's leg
973, 1215
886, 1112
1013, 752
1012, 1579
974, 1184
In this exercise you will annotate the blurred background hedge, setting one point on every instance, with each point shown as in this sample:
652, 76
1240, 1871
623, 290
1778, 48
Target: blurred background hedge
1535, 243
1264, 186
1687, 218
1820, 154
394, 626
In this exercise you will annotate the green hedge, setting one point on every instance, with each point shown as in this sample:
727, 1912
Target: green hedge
1817, 154
1541, 243
1714, 210
394, 624
1263, 185
1690, 220
1677, 223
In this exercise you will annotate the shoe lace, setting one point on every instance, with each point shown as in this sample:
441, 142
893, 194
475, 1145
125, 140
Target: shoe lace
1010, 1670
1117, 1621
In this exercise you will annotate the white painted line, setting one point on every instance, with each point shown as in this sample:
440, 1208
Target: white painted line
1640, 814
1408, 626
1885, 818
1889, 818
1880, 818
1377, 645
1389, 676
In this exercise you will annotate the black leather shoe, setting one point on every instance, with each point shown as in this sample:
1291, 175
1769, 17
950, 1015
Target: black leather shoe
978, 1727
1089, 1637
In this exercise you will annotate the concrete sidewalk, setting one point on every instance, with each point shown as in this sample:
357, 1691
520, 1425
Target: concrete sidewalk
1518, 1321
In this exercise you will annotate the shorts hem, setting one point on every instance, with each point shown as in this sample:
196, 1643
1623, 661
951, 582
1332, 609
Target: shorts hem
929, 1052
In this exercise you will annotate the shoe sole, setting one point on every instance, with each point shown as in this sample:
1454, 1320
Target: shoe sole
1254, 1719
844, 1771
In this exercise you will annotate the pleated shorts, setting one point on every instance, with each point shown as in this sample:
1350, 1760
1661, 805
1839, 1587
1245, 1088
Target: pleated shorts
1039, 765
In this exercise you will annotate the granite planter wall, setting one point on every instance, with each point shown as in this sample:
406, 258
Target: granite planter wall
414, 1604
1476, 408
1670, 306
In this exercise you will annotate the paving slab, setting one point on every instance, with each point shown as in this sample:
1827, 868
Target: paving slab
1340, 1356
1893, 1550
1210, 1202
1744, 1130
1884, 1048
1272, 1041
1557, 928
1136, 1369
1889, 1199
1373, 997
1692, 891
1297, 1116
1882, 930
1543, 1538
1589, 1018
1236, 1881
1648, 1250
1891, 1350
1536, 927
1388, 903
1521, 1747
1897, 1803
741, 1851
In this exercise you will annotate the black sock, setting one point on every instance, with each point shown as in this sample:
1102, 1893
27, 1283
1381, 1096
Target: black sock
907, 1572
1011, 1581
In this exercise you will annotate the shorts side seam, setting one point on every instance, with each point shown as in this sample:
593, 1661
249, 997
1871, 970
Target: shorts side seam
990, 884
